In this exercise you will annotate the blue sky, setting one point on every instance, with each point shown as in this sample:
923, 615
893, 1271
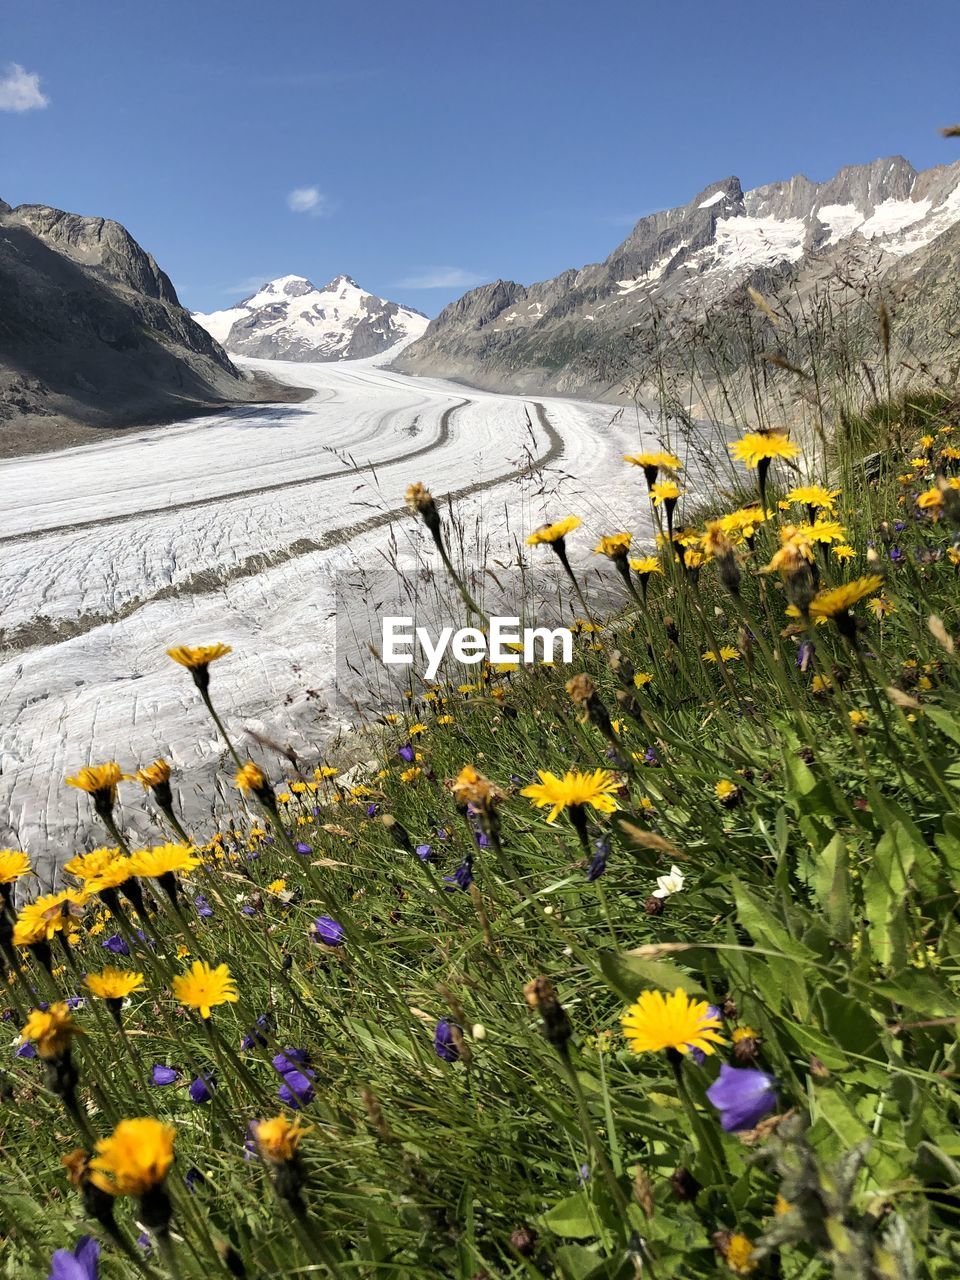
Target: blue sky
426, 146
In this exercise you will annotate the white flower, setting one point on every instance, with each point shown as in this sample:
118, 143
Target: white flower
667, 885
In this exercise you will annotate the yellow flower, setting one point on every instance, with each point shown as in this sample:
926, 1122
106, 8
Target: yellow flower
930, 500
471, 787
250, 777
277, 886
135, 1158
795, 549
445, 719
642, 678
51, 913
675, 1021
838, 600
744, 523
411, 774
202, 987
51, 1030
96, 778
880, 606
727, 654
111, 876
113, 984
163, 860
725, 788
814, 495
664, 491
781, 1206
415, 729
654, 462
745, 1033
739, 1255
843, 552
556, 532
646, 565
693, 559
325, 771
573, 789
87, 866
13, 865
716, 540
278, 1140
153, 775
617, 544
822, 531
763, 446
859, 719
197, 657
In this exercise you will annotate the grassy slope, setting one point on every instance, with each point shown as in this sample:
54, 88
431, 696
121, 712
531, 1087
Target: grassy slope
818, 909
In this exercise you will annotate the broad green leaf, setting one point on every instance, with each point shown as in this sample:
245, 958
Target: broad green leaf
629, 975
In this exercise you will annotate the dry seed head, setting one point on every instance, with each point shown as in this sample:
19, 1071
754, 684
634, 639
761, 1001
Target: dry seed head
940, 633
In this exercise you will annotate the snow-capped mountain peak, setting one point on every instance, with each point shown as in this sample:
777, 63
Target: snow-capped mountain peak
291, 319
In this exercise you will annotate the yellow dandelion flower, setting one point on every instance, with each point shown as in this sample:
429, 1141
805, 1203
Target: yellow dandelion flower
859, 719
51, 913
113, 984
739, 1255
652, 462
250, 777
646, 565
51, 1030
814, 495
744, 523
87, 866
836, 601
203, 987
822, 530
930, 500
198, 657
763, 446
162, 860
98, 778
411, 774
664, 491
881, 607
614, 546
727, 654
573, 790
153, 775
724, 789
556, 532
843, 552
277, 886
642, 678
278, 1139
135, 1158
13, 865
657, 1021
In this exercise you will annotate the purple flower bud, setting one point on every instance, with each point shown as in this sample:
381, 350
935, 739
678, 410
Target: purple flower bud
407, 753
27, 1050
462, 878
328, 931
371, 810
116, 944
201, 1089
743, 1097
303, 848
423, 852
444, 1043
192, 1177
203, 907
163, 1075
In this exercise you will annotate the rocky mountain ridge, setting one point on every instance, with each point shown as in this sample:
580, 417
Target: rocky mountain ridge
560, 334
291, 319
92, 335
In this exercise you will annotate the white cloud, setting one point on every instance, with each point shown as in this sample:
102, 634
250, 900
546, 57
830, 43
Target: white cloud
309, 200
442, 278
20, 90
